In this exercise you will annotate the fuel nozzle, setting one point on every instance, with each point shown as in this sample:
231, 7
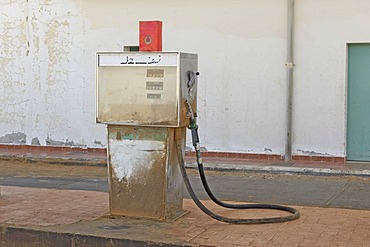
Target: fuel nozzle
193, 126
191, 78
191, 81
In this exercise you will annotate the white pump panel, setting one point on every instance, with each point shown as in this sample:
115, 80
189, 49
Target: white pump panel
145, 88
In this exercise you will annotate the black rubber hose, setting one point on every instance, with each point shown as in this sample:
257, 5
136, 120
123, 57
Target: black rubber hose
295, 213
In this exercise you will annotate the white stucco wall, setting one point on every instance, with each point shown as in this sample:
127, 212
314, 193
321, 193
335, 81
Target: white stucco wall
47, 93
229, 42
322, 30
47, 56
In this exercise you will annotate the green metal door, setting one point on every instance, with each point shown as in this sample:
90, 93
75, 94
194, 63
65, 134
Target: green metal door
358, 112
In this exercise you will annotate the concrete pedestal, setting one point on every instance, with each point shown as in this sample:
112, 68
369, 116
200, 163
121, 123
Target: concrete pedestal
144, 176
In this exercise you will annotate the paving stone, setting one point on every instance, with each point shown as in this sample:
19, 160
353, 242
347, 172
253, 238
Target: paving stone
85, 212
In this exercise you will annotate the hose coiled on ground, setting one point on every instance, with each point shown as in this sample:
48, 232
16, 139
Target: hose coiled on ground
195, 138
294, 212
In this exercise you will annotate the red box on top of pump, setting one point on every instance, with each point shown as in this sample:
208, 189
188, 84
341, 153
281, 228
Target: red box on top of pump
150, 33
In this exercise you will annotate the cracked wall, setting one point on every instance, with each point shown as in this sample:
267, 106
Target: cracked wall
44, 88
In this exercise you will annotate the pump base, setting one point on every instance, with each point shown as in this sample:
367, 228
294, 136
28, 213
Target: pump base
144, 176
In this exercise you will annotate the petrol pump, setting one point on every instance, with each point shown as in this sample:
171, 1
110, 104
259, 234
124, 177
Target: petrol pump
147, 100
141, 98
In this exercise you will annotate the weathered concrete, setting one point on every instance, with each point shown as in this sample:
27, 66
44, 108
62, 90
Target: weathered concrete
20, 237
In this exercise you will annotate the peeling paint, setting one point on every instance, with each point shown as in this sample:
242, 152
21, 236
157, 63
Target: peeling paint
35, 141
13, 43
14, 138
130, 157
51, 142
96, 142
312, 153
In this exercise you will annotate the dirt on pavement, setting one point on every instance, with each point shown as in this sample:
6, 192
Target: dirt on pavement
45, 168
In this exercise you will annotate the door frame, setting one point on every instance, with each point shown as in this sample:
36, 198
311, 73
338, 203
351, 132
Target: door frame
346, 86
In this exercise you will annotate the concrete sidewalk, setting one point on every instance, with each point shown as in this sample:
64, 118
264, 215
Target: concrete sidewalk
48, 217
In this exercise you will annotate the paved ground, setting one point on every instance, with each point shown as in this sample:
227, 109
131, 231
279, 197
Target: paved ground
324, 191
83, 213
58, 210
